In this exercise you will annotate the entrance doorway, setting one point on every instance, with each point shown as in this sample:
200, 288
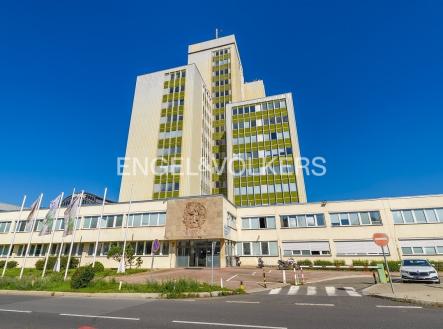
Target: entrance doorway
197, 253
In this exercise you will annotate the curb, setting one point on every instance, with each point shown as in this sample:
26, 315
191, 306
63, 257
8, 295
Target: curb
112, 295
415, 301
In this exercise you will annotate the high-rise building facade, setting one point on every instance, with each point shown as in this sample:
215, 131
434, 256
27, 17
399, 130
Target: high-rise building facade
180, 117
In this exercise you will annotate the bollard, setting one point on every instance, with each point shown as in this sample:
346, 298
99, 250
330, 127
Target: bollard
295, 277
221, 283
375, 278
120, 285
284, 276
264, 279
302, 276
242, 287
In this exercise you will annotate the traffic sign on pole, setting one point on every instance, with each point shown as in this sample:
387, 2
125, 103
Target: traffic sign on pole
382, 240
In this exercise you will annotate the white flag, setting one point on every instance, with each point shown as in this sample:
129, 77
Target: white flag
48, 222
30, 219
71, 214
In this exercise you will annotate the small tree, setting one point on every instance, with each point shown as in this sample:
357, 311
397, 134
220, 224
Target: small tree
116, 251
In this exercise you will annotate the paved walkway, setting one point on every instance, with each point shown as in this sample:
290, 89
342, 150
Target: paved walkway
252, 278
419, 293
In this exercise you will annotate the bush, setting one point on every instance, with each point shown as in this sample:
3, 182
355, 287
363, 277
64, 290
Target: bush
98, 267
360, 262
82, 277
11, 264
321, 262
438, 265
304, 262
394, 265
339, 262
53, 259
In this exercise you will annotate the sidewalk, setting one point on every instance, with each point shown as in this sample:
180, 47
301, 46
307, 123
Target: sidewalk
416, 293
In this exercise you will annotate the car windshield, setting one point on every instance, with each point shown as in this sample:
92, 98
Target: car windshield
415, 262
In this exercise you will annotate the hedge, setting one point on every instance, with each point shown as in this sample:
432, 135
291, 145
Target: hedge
11, 264
52, 260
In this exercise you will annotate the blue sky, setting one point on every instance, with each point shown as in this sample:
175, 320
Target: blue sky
367, 79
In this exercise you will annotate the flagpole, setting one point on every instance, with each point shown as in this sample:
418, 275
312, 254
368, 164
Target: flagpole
73, 235
34, 220
54, 224
99, 226
11, 245
57, 265
122, 267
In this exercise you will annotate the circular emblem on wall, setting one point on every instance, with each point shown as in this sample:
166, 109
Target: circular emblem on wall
194, 216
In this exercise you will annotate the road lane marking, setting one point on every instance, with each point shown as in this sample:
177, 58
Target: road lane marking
16, 311
242, 302
234, 276
351, 292
313, 304
312, 291
397, 306
331, 291
100, 317
275, 291
228, 324
293, 290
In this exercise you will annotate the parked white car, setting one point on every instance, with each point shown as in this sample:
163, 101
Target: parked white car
418, 270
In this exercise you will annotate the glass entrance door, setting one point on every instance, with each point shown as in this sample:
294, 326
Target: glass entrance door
197, 253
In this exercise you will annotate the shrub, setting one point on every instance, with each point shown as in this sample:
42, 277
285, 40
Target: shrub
98, 267
53, 259
376, 262
360, 262
438, 265
40, 264
321, 262
82, 277
339, 262
394, 265
304, 262
11, 264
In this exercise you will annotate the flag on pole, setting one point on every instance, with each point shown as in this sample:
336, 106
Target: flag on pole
71, 214
48, 221
32, 213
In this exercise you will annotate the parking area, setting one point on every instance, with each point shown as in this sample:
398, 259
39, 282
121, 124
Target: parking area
253, 279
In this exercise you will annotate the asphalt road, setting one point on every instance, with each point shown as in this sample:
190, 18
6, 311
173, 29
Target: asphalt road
320, 306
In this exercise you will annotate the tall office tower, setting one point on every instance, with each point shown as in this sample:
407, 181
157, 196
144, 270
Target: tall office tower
263, 152
169, 139
219, 63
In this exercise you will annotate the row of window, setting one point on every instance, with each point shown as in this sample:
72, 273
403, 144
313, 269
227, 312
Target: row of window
176, 75
246, 109
171, 118
262, 248
264, 189
418, 216
221, 72
174, 150
170, 134
268, 170
254, 223
261, 154
259, 122
221, 62
166, 187
168, 169
356, 218
174, 103
221, 93
221, 82
261, 138
293, 221
221, 52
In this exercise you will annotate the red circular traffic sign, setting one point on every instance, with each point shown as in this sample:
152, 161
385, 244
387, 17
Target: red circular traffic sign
380, 239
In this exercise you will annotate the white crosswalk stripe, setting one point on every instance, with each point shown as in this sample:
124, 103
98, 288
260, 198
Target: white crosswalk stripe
311, 291
275, 291
293, 290
331, 291
314, 291
351, 292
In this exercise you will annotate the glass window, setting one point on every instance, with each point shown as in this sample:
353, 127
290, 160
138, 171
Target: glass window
375, 217
110, 221
417, 250
145, 220
430, 215
246, 248
161, 219
270, 222
407, 215
87, 222
119, 221
256, 248
137, 220
284, 221
439, 249
398, 219
354, 218
365, 220
420, 216
320, 220
264, 248
310, 220
429, 250
140, 248
301, 221
335, 220
245, 223
440, 214
153, 220
406, 250
344, 219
